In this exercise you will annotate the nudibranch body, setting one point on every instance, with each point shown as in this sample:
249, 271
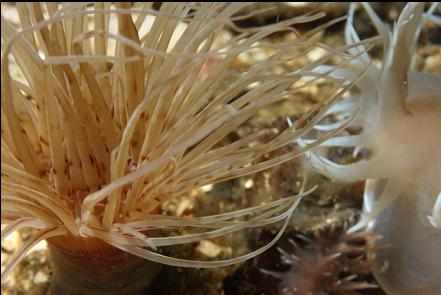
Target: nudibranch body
400, 119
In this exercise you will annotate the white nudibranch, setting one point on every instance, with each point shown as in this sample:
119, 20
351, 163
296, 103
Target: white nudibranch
400, 123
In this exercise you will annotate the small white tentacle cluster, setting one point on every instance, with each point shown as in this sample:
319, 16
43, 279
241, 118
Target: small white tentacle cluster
400, 123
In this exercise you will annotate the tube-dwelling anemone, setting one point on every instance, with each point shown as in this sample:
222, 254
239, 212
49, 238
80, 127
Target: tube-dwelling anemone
111, 119
400, 126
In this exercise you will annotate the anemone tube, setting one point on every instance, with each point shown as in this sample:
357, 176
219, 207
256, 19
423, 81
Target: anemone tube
400, 123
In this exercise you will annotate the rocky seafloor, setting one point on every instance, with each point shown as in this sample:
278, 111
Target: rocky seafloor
316, 230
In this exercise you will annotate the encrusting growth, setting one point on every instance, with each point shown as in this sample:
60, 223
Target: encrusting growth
111, 119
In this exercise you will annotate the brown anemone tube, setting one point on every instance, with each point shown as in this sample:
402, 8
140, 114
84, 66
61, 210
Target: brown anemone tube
90, 266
